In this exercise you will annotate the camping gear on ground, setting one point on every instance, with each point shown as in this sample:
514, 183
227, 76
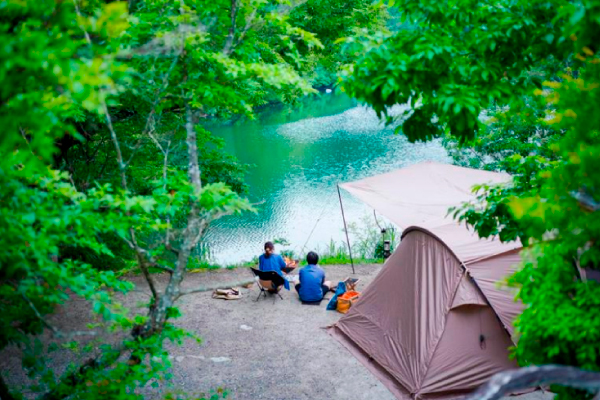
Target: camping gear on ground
341, 289
346, 300
227, 294
351, 283
434, 323
268, 282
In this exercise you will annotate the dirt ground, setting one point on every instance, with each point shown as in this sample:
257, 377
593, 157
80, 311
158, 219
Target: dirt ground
270, 349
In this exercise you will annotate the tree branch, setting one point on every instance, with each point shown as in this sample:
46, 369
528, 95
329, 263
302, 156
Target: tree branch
229, 41
141, 254
249, 22
166, 269
149, 126
168, 230
142, 262
85, 32
166, 164
508, 382
172, 249
55, 331
38, 315
192, 144
113, 137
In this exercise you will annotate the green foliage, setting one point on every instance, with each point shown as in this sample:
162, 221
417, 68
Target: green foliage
331, 20
230, 68
510, 134
46, 79
198, 265
41, 211
54, 79
94, 160
367, 239
40, 215
562, 325
491, 213
109, 98
334, 254
454, 61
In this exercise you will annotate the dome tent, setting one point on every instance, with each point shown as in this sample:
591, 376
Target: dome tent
433, 323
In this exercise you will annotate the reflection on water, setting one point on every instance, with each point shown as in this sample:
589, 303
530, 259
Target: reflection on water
298, 157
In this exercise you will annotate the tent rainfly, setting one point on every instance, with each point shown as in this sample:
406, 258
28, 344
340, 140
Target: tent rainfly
433, 324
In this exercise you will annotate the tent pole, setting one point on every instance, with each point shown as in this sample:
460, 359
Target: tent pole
345, 228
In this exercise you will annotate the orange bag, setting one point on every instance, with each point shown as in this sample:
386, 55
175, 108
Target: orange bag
345, 301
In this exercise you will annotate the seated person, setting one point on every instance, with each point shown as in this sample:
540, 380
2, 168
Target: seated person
312, 286
269, 261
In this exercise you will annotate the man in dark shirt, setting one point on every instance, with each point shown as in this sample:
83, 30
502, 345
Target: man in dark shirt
312, 286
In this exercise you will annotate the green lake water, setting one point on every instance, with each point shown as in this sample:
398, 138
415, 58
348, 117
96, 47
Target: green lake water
299, 155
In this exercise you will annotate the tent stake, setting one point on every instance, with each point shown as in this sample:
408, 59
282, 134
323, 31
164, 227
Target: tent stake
345, 228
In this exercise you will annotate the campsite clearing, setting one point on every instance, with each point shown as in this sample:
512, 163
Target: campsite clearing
270, 349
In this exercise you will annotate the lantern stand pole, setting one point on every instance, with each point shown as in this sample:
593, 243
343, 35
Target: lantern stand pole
345, 228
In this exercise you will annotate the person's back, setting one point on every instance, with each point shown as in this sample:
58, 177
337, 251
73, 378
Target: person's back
273, 262
269, 261
312, 286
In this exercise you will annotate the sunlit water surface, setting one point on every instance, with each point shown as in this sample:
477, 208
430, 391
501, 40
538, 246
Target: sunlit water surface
299, 156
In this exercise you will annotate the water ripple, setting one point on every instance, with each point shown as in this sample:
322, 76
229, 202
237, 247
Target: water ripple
297, 167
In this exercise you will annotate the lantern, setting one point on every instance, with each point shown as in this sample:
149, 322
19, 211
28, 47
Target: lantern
386, 249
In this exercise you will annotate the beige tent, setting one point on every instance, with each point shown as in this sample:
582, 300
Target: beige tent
433, 324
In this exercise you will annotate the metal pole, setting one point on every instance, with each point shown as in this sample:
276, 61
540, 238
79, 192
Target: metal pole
345, 228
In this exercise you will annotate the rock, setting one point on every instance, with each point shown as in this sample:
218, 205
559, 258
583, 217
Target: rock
179, 358
245, 327
220, 359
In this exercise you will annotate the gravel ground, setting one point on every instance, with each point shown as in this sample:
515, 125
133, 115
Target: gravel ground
270, 349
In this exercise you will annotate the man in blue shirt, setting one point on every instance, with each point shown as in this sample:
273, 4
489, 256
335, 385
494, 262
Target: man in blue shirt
269, 261
312, 286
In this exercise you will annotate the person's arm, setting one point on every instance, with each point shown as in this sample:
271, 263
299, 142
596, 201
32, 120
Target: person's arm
282, 263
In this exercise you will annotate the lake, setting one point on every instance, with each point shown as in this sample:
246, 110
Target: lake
298, 157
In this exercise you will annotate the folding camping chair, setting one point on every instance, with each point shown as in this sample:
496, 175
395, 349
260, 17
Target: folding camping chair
265, 278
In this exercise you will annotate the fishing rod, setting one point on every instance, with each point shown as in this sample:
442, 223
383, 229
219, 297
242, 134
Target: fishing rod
325, 207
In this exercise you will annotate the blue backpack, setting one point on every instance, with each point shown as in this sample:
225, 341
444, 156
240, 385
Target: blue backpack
341, 289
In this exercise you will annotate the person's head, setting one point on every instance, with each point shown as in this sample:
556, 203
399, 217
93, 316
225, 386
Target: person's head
269, 248
312, 258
